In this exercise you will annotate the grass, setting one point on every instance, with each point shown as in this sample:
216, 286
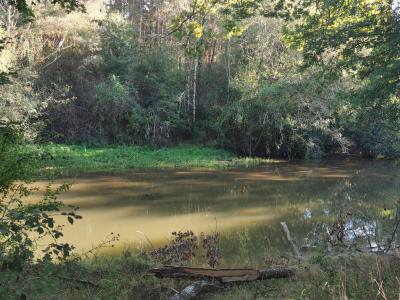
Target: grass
356, 276
64, 160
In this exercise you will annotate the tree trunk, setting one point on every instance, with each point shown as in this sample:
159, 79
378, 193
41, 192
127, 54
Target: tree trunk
196, 65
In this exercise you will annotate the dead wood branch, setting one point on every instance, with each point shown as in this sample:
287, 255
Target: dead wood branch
223, 275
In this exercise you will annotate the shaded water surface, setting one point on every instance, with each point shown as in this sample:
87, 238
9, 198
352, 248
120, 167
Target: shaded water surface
245, 205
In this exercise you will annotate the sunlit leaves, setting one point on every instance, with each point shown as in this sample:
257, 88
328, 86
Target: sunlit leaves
197, 30
361, 36
208, 19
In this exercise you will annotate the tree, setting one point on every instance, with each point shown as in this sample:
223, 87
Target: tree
357, 36
22, 10
22, 225
360, 37
199, 24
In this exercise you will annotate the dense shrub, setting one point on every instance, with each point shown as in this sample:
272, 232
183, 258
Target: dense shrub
111, 109
133, 96
291, 118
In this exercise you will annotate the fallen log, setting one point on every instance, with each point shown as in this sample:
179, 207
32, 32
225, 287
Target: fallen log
222, 275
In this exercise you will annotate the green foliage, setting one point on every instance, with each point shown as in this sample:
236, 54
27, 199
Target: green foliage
158, 117
118, 47
358, 36
63, 160
23, 226
10, 168
192, 24
133, 98
24, 11
349, 39
375, 134
292, 118
111, 109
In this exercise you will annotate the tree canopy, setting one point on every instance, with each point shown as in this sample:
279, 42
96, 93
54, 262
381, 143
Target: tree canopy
360, 37
26, 7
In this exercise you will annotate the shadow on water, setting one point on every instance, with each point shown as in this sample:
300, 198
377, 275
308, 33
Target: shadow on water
245, 205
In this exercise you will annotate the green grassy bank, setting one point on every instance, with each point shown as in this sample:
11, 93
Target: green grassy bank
67, 160
358, 276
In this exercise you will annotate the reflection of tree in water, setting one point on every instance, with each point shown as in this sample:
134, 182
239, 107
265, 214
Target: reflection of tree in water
367, 200
354, 230
365, 212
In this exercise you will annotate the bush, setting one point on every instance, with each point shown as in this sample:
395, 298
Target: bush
131, 94
24, 225
290, 118
112, 109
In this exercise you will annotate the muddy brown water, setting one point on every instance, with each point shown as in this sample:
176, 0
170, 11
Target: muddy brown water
245, 205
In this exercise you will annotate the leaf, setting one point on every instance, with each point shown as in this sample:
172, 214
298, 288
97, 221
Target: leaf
50, 222
71, 220
198, 30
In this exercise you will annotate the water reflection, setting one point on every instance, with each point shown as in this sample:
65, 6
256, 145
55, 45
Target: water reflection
246, 205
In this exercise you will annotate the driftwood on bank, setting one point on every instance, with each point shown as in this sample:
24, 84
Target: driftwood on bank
222, 275
210, 278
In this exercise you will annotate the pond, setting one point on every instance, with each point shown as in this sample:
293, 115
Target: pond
245, 205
